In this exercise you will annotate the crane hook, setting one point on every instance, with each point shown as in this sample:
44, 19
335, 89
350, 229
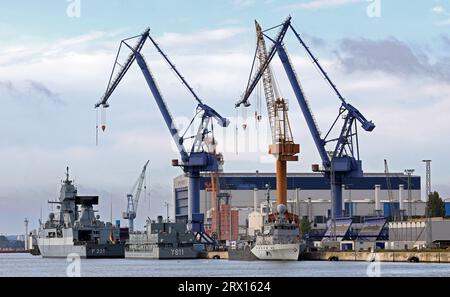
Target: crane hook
103, 119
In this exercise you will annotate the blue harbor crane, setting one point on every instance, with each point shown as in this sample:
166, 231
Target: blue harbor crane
193, 161
343, 161
133, 199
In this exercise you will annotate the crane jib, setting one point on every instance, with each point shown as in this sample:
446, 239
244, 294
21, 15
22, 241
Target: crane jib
353, 113
254, 81
195, 161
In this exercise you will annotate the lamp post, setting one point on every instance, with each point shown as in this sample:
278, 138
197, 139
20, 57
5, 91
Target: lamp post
409, 173
428, 194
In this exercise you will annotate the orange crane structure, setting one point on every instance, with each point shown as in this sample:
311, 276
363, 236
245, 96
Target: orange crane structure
224, 219
283, 147
214, 188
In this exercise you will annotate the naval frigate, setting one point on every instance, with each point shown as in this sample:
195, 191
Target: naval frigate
75, 229
162, 240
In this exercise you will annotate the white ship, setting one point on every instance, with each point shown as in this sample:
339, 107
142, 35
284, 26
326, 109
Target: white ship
279, 241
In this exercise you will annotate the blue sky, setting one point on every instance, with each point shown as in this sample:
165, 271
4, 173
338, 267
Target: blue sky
395, 68
415, 22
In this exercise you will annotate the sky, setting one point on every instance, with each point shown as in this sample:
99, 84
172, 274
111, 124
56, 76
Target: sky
389, 58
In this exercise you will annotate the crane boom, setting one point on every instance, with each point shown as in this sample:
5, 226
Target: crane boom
367, 125
254, 81
197, 159
139, 184
168, 119
304, 106
270, 90
343, 162
133, 199
113, 83
283, 147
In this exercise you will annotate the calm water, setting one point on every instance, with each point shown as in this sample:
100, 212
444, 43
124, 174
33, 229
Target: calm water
27, 265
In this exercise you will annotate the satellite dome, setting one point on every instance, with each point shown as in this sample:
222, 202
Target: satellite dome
51, 216
281, 209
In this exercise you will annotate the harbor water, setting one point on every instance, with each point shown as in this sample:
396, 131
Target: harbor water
28, 266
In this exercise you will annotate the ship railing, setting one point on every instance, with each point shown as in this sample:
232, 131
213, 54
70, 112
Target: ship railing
76, 242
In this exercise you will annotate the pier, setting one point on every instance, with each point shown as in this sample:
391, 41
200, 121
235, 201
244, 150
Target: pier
382, 256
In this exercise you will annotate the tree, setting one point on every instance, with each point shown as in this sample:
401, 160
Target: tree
435, 205
305, 226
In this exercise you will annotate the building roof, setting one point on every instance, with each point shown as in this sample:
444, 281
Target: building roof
304, 174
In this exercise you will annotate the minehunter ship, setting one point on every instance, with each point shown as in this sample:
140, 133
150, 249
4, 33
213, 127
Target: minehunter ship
279, 241
75, 229
162, 240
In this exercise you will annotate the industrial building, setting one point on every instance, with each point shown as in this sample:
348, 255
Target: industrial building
313, 193
420, 233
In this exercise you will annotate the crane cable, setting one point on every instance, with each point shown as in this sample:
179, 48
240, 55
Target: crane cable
258, 114
96, 127
315, 64
244, 119
103, 119
172, 70
236, 131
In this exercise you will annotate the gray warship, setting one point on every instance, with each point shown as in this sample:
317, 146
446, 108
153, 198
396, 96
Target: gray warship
162, 240
74, 228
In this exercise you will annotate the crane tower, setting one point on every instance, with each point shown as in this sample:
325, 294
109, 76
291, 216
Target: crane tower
283, 147
133, 199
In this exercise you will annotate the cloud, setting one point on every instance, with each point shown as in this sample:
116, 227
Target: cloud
9, 88
40, 89
441, 11
228, 22
244, 3
446, 40
443, 23
37, 147
322, 4
92, 42
438, 9
203, 38
391, 56
31, 89
314, 40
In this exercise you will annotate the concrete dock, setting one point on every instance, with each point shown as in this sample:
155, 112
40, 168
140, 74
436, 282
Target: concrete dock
214, 255
382, 256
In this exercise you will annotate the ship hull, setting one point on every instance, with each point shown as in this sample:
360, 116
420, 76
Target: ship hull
277, 252
242, 254
154, 252
88, 251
